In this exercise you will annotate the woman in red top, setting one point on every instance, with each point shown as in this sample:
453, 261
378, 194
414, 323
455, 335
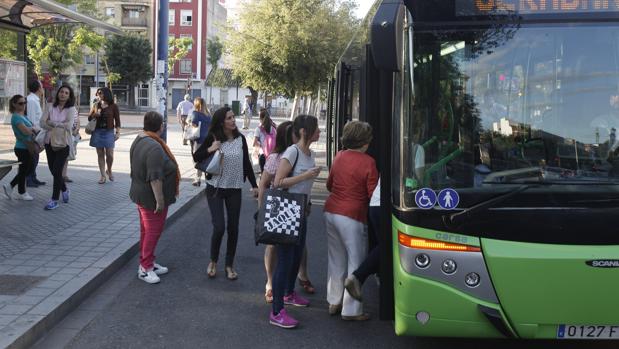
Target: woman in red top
351, 182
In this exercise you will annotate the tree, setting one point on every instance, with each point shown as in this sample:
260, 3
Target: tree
59, 47
129, 56
215, 49
178, 48
293, 48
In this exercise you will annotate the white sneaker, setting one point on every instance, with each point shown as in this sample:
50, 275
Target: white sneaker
148, 276
160, 269
25, 196
8, 190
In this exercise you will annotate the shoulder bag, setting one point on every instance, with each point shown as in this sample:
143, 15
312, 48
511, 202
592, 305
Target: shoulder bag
90, 127
192, 132
281, 219
213, 164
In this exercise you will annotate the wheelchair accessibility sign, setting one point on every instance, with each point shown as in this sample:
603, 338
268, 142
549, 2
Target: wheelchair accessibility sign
447, 199
425, 198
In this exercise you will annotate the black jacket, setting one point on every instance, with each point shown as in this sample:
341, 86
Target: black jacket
248, 170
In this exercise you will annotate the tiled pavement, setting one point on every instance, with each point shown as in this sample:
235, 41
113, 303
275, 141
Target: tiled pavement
50, 260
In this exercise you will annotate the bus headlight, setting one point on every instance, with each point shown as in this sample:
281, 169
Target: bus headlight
423, 317
422, 260
449, 266
472, 279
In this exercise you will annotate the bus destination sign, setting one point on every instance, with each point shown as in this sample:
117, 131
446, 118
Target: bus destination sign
529, 7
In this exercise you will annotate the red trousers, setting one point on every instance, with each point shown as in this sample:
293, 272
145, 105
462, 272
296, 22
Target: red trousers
151, 227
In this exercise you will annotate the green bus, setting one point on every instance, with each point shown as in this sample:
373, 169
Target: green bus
496, 137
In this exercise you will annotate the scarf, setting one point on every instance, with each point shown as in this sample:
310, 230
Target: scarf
165, 147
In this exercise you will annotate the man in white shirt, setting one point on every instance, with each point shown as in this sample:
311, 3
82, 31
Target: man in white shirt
34, 113
182, 110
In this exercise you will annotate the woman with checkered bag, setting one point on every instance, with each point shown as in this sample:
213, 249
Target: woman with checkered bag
296, 172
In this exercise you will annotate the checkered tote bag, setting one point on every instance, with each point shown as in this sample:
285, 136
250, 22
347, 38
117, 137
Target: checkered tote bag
281, 218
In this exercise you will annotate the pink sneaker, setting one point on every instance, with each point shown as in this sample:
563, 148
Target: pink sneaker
283, 320
296, 300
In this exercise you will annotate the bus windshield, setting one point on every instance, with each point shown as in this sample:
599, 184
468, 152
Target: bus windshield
512, 103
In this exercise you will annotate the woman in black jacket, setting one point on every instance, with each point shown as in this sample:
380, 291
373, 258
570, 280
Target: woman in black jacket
224, 189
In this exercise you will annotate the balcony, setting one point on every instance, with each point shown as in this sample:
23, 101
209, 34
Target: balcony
134, 16
134, 22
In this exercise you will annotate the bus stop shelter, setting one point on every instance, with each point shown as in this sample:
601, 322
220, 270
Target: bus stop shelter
21, 16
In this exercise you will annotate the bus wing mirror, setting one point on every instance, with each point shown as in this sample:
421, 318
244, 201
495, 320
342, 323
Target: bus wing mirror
386, 35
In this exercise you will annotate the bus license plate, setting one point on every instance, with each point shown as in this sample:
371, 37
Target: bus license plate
587, 332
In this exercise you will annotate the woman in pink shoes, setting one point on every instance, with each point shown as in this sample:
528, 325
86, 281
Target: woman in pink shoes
296, 172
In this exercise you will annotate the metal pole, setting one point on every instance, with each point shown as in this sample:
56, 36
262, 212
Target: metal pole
162, 64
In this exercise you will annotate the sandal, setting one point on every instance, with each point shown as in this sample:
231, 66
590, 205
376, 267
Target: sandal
211, 270
109, 174
307, 286
268, 296
102, 180
231, 274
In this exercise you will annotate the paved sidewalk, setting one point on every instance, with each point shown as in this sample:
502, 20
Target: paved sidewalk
51, 260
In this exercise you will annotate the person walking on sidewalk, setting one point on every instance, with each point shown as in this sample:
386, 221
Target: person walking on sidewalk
106, 112
58, 122
264, 137
296, 172
247, 112
200, 117
225, 189
23, 131
371, 264
182, 111
351, 182
282, 142
155, 179
34, 113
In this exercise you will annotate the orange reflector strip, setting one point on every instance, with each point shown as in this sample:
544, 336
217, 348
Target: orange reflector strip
427, 244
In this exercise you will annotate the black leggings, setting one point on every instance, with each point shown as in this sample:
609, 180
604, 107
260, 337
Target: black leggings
371, 264
25, 167
55, 162
216, 199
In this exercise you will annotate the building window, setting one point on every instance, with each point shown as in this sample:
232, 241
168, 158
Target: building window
89, 59
186, 17
133, 14
185, 67
188, 36
110, 12
171, 17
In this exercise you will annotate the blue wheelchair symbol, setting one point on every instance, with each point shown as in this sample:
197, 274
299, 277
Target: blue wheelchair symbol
425, 198
448, 199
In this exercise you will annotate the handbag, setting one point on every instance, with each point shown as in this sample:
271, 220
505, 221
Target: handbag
213, 164
58, 138
192, 132
90, 127
282, 217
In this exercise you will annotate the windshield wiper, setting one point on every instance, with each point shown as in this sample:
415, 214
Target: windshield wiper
455, 219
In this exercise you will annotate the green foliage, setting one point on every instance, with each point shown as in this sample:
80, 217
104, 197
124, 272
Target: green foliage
290, 46
215, 49
60, 47
129, 56
8, 44
178, 48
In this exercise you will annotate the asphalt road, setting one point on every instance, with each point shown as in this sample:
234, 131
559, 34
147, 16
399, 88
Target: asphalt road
188, 310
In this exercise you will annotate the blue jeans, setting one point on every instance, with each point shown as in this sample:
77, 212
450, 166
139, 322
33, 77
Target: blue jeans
285, 276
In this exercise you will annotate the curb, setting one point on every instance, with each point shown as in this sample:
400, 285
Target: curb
38, 330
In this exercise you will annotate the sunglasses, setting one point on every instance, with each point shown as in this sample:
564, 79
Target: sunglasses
20, 103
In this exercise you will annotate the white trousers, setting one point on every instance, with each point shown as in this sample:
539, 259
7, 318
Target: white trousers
347, 242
